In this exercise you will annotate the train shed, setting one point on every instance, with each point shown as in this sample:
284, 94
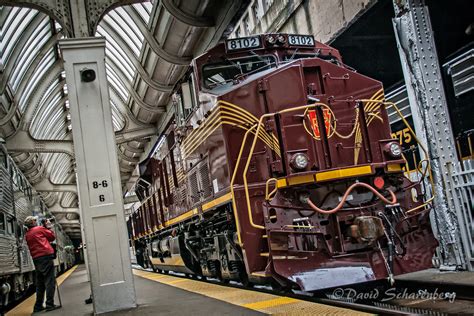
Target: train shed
239, 156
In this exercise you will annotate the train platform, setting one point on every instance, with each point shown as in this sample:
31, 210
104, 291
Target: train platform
159, 294
459, 282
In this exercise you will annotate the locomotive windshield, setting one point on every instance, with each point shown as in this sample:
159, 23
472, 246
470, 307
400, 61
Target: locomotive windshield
223, 73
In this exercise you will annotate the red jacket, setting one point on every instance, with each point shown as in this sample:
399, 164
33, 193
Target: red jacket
38, 239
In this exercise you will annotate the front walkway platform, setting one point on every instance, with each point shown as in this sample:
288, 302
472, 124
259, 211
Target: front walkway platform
159, 294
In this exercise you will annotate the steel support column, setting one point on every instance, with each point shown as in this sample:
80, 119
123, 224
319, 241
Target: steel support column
422, 73
98, 175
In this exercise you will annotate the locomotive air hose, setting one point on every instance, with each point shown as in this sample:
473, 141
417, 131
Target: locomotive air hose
344, 198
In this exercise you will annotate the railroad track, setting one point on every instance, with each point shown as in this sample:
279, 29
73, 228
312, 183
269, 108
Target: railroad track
402, 304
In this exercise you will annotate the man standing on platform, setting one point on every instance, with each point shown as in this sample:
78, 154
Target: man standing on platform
38, 239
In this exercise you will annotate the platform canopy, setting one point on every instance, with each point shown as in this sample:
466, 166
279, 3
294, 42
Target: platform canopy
149, 45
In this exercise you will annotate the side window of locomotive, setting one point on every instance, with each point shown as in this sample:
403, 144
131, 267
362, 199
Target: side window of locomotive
222, 74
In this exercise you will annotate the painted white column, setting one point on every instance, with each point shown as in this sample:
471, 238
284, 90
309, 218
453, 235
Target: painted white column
98, 176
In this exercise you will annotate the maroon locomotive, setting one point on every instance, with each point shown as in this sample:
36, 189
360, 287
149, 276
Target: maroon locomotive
278, 167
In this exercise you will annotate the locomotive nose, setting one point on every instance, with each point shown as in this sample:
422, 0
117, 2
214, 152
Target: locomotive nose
366, 229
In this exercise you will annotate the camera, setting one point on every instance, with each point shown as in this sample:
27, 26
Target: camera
87, 75
47, 222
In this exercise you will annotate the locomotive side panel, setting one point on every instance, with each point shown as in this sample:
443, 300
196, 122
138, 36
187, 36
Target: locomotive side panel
205, 159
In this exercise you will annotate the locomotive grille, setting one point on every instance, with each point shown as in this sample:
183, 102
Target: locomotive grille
193, 184
6, 194
183, 193
205, 181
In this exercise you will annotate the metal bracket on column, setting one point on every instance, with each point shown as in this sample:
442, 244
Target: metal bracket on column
23, 142
424, 85
45, 185
134, 134
59, 209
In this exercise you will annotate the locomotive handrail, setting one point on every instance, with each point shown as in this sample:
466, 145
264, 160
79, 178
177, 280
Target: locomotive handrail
269, 196
425, 151
234, 206
252, 148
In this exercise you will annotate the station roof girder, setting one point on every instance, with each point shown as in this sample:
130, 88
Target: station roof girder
149, 46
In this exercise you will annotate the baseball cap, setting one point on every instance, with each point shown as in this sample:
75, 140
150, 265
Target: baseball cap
31, 221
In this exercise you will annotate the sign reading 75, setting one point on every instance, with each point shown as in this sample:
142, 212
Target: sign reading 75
404, 136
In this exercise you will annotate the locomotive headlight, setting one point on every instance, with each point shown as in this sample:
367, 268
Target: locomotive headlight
394, 149
271, 40
299, 161
281, 39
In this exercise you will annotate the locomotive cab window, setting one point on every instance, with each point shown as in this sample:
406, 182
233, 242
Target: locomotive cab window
223, 74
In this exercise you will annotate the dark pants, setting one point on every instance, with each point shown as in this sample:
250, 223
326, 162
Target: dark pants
45, 281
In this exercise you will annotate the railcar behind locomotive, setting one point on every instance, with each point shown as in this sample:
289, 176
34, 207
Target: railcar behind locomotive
18, 199
279, 167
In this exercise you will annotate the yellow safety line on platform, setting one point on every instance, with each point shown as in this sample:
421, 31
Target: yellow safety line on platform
176, 281
261, 302
271, 303
26, 307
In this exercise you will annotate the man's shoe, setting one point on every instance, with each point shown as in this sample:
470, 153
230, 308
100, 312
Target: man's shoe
52, 308
38, 309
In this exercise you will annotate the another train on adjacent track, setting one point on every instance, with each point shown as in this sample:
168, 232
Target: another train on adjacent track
278, 167
18, 199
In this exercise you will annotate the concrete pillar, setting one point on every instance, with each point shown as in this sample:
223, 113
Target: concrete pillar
98, 176
422, 73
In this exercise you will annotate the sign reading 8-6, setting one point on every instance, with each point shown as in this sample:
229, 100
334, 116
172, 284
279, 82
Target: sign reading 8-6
100, 191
